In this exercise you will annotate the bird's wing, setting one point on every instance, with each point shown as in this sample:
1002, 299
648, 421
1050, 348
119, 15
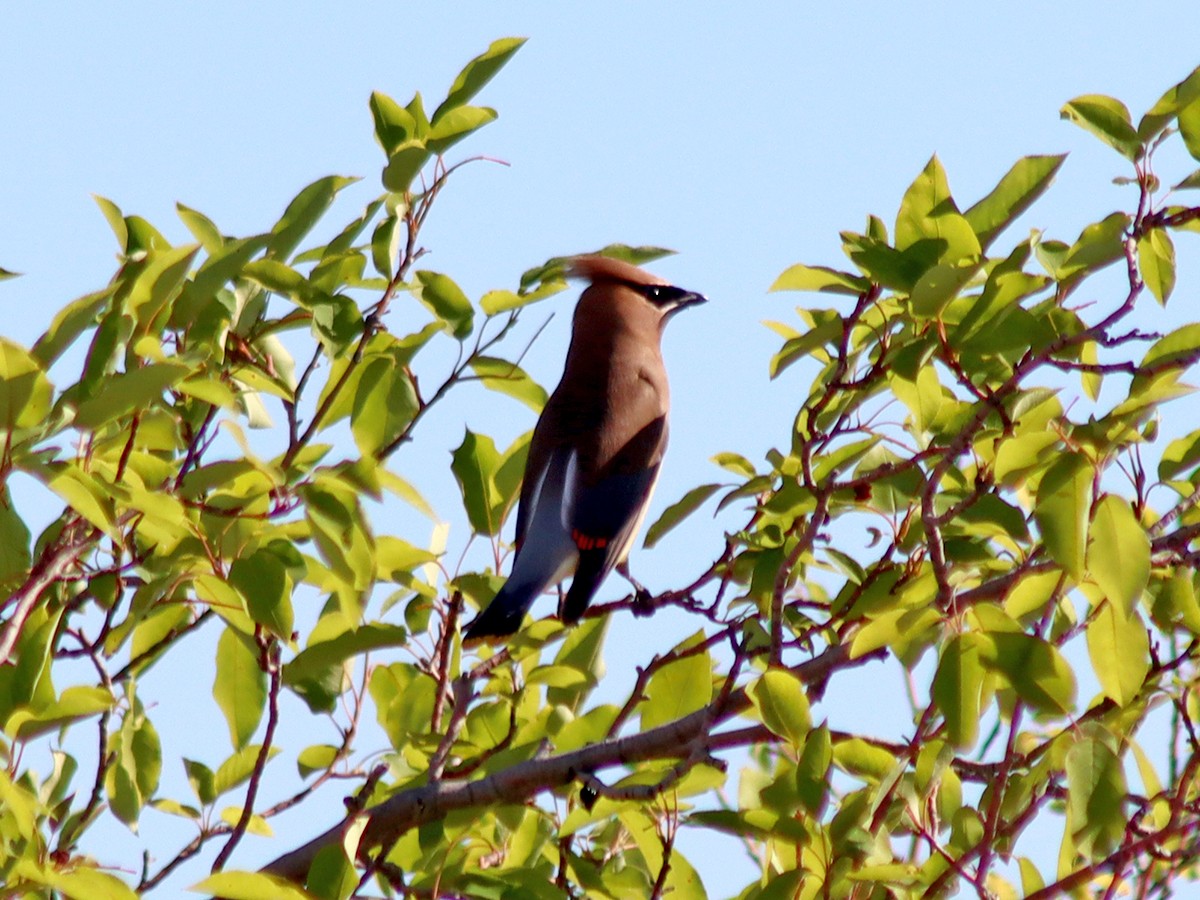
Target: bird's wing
604, 516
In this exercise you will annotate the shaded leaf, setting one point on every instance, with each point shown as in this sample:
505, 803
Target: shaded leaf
781, 703
1063, 498
1106, 118
1120, 652
240, 686
1118, 556
1021, 185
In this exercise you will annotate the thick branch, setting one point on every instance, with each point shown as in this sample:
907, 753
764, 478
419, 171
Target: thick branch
408, 809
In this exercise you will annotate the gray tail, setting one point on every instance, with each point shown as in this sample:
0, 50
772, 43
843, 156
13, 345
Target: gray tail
503, 616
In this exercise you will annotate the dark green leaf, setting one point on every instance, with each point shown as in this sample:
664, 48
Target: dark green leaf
264, 582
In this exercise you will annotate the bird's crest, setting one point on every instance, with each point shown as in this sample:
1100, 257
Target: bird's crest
604, 268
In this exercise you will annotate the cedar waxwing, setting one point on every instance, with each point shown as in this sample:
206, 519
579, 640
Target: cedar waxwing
596, 450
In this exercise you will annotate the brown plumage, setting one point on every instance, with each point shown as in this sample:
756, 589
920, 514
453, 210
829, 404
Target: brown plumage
597, 448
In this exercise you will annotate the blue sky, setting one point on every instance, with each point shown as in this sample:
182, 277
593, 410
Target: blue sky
745, 136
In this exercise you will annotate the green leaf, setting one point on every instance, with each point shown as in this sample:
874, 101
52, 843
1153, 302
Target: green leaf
1118, 557
895, 628
781, 703
75, 703
85, 883
825, 328
316, 758
476, 74
1156, 262
393, 123
457, 124
678, 511
821, 279
861, 758
581, 652
85, 495
678, 688
474, 463
15, 555
116, 220
1189, 128
385, 245
1021, 185
1098, 245
240, 686
1095, 796
1108, 119
302, 214
250, 886
1190, 183
1175, 350
508, 378
1177, 98
316, 671
203, 228
384, 404
446, 300
928, 214
69, 323
957, 687
1181, 454
338, 526
939, 285
201, 778
403, 165
1063, 499
122, 394
1120, 652
25, 392
404, 699
237, 770
1033, 667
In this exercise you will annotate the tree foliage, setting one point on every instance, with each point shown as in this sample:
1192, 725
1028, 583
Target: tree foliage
989, 482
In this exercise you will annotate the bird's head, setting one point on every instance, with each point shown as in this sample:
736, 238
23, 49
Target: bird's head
662, 297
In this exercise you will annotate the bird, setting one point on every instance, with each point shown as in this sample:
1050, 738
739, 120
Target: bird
596, 449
